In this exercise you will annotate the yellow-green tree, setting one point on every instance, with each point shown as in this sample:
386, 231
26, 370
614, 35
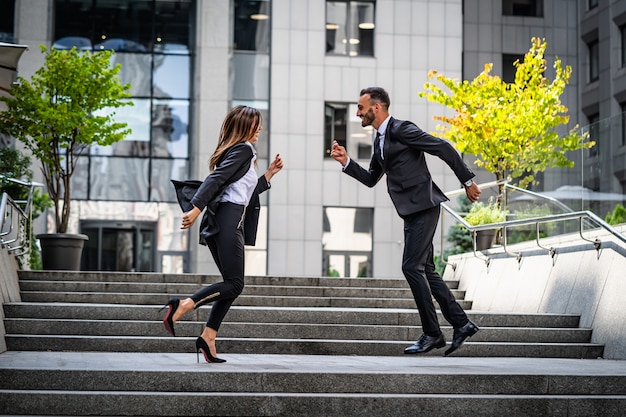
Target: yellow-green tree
510, 127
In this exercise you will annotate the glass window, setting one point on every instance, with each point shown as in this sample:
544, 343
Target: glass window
134, 69
6, 21
347, 241
252, 25
152, 44
171, 26
170, 129
623, 123
124, 26
161, 172
530, 8
592, 4
622, 31
508, 69
342, 125
251, 74
594, 58
171, 76
118, 179
594, 130
350, 28
137, 142
80, 179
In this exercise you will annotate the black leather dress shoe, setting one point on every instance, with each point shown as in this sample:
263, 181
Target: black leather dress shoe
460, 334
426, 343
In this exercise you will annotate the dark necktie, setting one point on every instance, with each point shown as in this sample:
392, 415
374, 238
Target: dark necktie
379, 143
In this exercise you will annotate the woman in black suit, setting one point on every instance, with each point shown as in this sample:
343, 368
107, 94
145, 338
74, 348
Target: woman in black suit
230, 190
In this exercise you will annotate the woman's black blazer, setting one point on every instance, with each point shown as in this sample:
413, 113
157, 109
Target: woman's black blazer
206, 194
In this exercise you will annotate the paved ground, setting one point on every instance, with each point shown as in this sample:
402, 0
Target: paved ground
186, 362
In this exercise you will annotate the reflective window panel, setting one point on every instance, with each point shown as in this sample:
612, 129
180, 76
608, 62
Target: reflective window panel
350, 28
118, 179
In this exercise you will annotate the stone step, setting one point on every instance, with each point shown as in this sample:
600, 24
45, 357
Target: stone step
272, 314
293, 346
190, 288
95, 371
248, 300
24, 326
201, 279
108, 403
94, 344
85, 383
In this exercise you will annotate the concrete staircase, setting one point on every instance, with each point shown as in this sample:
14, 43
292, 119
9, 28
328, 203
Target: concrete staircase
94, 344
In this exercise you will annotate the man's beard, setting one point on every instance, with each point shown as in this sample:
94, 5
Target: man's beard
367, 118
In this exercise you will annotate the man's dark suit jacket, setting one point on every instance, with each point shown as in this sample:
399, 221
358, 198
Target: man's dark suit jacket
234, 165
409, 182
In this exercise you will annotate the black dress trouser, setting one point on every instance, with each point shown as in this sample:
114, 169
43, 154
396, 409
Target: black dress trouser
419, 270
227, 248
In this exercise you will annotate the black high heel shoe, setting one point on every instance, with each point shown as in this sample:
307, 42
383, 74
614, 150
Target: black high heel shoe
201, 345
167, 320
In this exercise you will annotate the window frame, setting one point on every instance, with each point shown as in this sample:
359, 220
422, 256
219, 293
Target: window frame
594, 134
333, 248
352, 40
534, 8
593, 53
350, 135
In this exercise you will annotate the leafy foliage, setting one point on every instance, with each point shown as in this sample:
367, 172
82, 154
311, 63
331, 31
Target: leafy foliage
510, 127
481, 213
617, 216
60, 113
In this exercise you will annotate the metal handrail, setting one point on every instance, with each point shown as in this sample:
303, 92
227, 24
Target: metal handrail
16, 223
581, 216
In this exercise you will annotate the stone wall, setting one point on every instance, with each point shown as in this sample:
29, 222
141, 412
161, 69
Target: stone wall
577, 280
9, 288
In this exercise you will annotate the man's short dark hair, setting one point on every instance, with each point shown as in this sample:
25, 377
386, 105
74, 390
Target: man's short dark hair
377, 94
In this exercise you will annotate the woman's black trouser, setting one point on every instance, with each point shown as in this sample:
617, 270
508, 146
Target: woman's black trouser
227, 248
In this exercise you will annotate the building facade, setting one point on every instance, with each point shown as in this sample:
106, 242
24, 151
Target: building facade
302, 63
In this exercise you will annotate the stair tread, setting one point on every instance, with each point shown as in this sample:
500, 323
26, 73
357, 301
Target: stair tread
270, 363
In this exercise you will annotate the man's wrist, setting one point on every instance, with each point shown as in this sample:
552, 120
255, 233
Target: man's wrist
468, 183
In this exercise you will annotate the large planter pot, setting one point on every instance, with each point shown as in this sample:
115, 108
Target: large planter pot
485, 239
61, 251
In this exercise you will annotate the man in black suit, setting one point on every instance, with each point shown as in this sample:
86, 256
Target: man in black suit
399, 152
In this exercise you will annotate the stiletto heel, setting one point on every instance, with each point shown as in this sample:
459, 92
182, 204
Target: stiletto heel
201, 345
167, 320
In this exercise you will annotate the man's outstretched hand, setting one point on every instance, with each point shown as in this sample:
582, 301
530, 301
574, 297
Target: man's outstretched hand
339, 154
473, 192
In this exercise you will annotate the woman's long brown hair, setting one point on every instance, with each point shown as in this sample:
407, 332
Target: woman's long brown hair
239, 126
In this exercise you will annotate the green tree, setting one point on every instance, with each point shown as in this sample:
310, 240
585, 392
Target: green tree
509, 127
65, 108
